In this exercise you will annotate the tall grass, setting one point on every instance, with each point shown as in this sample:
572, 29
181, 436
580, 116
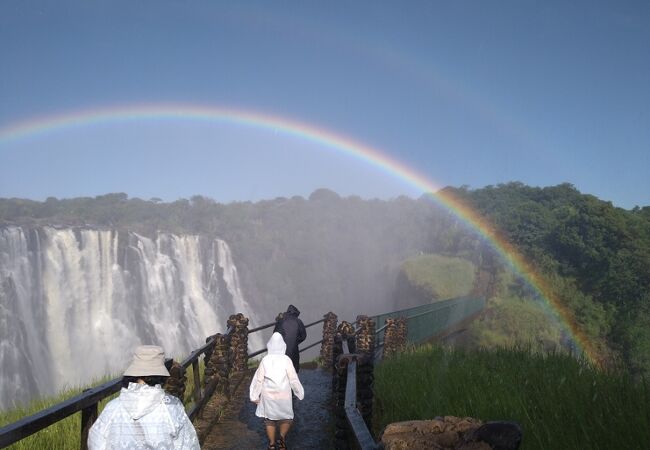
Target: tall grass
560, 402
62, 435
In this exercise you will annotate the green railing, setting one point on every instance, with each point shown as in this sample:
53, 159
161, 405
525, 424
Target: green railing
433, 319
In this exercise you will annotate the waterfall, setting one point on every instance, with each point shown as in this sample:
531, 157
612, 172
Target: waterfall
75, 302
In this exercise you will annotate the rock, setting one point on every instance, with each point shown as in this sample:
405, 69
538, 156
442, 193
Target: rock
500, 435
451, 433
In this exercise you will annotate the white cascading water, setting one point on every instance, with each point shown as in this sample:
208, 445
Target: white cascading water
75, 302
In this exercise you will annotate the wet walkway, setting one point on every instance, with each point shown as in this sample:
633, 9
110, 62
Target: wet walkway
240, 429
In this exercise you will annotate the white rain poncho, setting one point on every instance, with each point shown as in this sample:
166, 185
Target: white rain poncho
273, 382
143, 417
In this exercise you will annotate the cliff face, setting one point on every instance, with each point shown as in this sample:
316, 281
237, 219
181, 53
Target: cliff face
74, 302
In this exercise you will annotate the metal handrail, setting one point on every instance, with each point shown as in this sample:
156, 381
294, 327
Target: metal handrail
196, 353
310, 346
434, 309
315, 322
262, 350
261, 327
383, 327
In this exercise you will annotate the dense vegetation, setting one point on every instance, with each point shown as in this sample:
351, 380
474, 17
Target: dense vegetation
559, 401
595, 256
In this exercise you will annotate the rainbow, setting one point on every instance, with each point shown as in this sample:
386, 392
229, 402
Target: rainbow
308, 132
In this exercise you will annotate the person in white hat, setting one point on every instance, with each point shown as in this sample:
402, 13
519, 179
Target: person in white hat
271, 388
144, 416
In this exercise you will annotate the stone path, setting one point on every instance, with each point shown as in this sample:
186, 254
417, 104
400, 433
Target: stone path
240, 429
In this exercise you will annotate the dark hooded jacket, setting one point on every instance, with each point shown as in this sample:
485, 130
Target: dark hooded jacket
293, 331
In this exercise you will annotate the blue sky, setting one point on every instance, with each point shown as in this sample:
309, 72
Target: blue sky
464, 92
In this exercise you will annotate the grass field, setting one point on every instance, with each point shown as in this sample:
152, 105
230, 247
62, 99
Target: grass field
560, 402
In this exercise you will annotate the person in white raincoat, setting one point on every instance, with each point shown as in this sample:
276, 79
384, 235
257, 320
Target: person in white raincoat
144, 416
271, 388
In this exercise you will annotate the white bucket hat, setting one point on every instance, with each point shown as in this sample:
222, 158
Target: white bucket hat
148, 360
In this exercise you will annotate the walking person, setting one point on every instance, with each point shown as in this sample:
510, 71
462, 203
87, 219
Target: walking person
271, 389
144, 416
293, 332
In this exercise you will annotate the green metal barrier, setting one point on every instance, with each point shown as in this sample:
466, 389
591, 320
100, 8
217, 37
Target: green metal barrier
426, 321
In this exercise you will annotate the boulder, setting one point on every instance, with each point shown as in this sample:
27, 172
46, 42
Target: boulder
452, 433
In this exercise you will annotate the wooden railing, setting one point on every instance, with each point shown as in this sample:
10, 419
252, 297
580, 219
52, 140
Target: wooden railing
88, 401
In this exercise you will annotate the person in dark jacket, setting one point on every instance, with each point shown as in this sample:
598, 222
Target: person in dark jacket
293, 331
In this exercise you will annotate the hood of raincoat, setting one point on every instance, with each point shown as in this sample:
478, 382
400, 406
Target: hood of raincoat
293, 311
138, 400
276, 345
275, 362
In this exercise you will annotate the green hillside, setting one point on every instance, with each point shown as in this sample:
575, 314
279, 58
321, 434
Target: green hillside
438, 276
595, 259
